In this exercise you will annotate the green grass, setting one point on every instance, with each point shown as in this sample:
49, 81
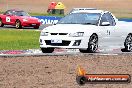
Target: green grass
1, 12
19, 39
119, 14
45, 14
42, 14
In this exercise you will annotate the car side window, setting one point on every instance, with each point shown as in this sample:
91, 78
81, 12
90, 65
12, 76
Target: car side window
107, 17
8, 12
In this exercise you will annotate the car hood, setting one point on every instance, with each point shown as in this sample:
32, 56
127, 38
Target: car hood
70, 28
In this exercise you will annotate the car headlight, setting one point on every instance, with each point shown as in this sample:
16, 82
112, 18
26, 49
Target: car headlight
77, 34
39, 20
44, 33
25, 20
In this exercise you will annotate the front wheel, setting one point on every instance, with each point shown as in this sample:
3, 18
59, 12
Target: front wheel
128, 43
1, 23
92, 44
18, 24
83, 51
47, 50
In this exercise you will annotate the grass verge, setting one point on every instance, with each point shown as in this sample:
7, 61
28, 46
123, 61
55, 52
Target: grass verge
42, 14
46, 14
19, 39
119, 14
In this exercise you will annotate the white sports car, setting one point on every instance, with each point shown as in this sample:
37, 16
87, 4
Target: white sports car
87, 30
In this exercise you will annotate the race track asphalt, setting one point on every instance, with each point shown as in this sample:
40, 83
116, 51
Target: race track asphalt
58, 52
13, 27
37, 52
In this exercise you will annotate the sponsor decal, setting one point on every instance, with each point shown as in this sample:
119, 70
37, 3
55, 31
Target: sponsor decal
48, 19
8, 19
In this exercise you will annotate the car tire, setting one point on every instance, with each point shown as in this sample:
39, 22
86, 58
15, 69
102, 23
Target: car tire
47, 50
83, 51
1, 23
92, 44
36, 27
18, 24
81, 80
128, 43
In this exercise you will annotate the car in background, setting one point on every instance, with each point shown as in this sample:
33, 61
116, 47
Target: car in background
19, 19
89, 31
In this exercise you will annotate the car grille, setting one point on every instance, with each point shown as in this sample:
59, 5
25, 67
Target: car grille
64, 43
58, 33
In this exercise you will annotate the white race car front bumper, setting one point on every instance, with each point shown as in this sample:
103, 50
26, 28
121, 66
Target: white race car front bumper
64, 42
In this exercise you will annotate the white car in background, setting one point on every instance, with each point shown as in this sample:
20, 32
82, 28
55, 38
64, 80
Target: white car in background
87, 30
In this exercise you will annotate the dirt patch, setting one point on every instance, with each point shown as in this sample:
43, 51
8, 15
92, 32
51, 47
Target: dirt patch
60, 71
121, 8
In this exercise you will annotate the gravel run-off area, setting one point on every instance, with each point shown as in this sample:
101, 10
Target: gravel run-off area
60, 71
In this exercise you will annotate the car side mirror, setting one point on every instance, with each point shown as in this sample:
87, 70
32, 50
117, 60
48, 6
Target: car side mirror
105, 23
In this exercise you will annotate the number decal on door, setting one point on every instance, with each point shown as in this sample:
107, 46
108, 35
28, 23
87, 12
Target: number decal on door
8, 19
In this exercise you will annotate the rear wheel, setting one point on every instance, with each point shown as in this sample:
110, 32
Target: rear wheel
1, 23
92, 44
18, 24
47, 50
128, 43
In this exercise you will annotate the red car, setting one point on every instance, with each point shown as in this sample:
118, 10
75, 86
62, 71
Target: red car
19, 19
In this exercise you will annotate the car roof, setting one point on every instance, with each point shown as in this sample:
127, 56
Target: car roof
86, 10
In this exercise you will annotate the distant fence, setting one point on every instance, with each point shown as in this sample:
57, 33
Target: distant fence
54, 19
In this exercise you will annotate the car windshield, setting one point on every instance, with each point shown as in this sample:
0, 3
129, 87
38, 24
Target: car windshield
80, 18
21, 13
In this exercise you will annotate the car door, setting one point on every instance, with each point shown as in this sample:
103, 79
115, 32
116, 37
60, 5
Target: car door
108, 30
9, 17
6, 18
